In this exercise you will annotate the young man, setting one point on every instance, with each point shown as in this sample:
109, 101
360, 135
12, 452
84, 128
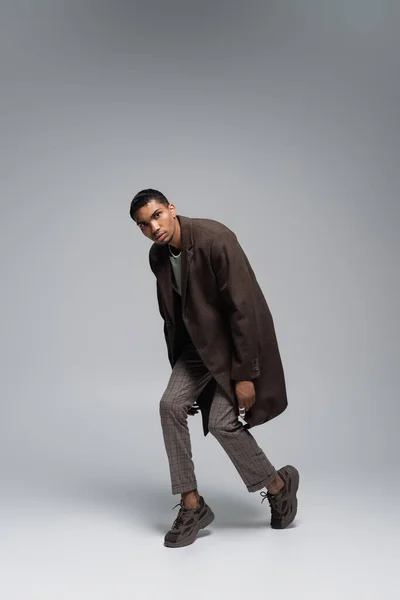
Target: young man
224, 356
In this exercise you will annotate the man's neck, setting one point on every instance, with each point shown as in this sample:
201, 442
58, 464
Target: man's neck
174, 250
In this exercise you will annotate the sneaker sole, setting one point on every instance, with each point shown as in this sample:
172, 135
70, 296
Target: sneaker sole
202, 524
295, 480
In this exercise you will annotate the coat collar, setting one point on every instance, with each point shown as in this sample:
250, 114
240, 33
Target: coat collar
186, 232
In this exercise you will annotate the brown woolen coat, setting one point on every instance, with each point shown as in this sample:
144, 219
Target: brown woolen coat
225, 314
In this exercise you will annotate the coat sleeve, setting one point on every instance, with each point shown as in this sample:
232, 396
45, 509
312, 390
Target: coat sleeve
235, 285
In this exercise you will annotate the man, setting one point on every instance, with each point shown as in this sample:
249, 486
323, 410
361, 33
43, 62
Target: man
224, 356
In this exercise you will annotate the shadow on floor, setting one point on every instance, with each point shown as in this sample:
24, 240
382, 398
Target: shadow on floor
151, 505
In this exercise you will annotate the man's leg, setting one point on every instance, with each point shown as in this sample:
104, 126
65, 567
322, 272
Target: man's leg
251, 463
189, 377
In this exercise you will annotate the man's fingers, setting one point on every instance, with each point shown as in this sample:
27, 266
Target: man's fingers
245, 405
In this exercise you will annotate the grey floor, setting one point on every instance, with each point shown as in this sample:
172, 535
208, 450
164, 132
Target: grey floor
93, 529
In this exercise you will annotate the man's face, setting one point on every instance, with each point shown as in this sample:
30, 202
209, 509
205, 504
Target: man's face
157, 222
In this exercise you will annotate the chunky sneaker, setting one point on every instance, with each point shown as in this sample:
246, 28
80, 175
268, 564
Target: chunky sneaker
284, 505
188, 524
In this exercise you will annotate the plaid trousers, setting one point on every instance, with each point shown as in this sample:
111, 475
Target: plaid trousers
189, 377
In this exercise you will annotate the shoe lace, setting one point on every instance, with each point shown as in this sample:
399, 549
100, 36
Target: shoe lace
275, 503
180, 517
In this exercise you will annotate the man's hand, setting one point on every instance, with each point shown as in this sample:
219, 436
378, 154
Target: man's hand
245, 394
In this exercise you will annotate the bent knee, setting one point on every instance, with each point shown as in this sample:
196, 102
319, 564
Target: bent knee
170, 406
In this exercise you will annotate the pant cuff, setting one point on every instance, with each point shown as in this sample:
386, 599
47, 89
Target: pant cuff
262, 484
185, 487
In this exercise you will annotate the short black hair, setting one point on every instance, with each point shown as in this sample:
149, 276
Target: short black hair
144, 197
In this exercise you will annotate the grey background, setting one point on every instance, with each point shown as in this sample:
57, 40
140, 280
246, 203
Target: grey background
280, 119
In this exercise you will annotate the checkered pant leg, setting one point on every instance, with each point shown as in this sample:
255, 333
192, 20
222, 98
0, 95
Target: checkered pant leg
188, 378
250, 461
